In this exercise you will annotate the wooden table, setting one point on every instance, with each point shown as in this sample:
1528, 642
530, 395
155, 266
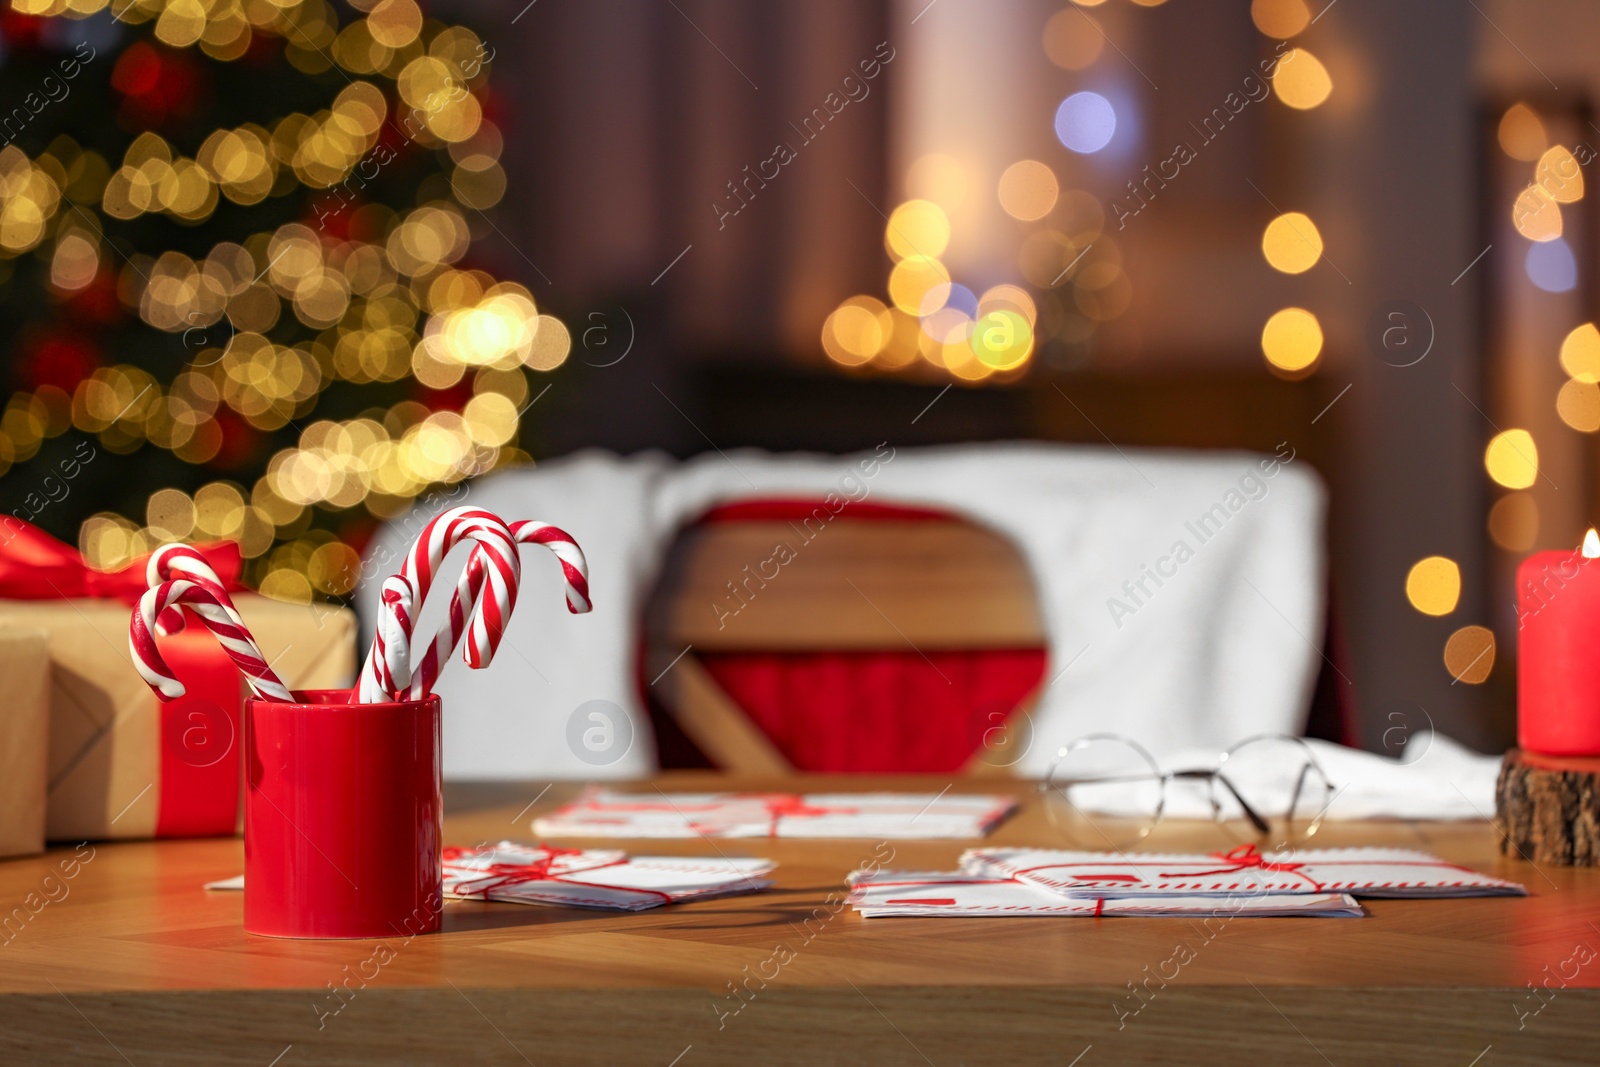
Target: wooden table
130, 961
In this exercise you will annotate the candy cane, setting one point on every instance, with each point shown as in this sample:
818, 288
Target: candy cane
235, 639
392, 643
575, 570
483, 622
178, 560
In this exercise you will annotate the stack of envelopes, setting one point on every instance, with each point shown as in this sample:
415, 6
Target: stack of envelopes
1241, 882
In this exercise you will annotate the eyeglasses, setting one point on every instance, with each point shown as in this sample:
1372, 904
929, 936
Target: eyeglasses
1106, 791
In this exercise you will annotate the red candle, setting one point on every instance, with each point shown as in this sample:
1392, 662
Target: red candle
1558, 651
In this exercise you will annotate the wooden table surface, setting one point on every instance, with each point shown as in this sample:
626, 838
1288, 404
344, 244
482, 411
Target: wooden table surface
129, 960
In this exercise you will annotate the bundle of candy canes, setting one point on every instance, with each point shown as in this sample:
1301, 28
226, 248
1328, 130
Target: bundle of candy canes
480, 607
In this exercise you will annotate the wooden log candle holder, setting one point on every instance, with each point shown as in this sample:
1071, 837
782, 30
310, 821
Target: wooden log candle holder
1547, 809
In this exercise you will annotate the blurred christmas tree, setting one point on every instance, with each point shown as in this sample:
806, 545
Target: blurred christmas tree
235, 259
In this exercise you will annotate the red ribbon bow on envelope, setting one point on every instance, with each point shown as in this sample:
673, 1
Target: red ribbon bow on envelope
1244, 857
501, 875
780, 805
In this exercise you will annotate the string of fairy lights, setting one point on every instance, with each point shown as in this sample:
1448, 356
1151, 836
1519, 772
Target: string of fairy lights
378, 297
1070, 269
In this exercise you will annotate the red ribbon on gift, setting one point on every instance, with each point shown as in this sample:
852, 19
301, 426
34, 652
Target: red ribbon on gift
199, 761
35, 566
502, 875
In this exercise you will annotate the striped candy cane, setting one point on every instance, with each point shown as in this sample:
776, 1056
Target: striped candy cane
574, 568
392, 643
185, 561
482, 620
235, 639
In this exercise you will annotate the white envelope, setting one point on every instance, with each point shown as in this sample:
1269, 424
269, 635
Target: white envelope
881, 816
1361, 872
882, 894
595, 878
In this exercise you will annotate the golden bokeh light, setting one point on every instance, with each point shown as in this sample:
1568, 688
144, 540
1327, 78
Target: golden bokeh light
917, 228
1292, 340
170, 514
1433, 585
1536, 215
1469, 654
1578, 404
1512, 459
1280, 19
1073, 40
1522, 134
1559, 174
286, 584
1301, 81
1580, 353
1514, 522
900, 350
1292, 243
857, 331
76, 260
1008, 298
919, 285
1028, 190
939, 178
1002, 339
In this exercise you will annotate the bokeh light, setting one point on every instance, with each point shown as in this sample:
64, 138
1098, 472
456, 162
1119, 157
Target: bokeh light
1469, 654
1085, 122
1280, 19
1514, 522
1559, 174
1028, 190
1580, 353
1292, 340
1551, 266
1521, 133
1512, 459
1072, 39
1301, 81
857, 331
919, 285
1002, 339
1578, 404
1433, 585
1535, 215
1292, 243
917, 228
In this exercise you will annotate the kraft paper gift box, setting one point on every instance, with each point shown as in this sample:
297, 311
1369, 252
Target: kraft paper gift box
24, 740
123, 764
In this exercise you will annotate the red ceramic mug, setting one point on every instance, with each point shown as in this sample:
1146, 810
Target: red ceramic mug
342, 815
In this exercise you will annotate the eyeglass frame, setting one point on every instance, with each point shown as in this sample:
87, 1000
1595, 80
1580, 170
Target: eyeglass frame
1200, 774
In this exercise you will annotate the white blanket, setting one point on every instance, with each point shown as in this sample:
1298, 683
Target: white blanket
1182, 593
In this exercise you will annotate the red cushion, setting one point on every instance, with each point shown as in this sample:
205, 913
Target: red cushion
878, 712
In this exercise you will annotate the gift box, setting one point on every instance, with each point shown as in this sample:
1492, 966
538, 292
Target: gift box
24, 741
123, 764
